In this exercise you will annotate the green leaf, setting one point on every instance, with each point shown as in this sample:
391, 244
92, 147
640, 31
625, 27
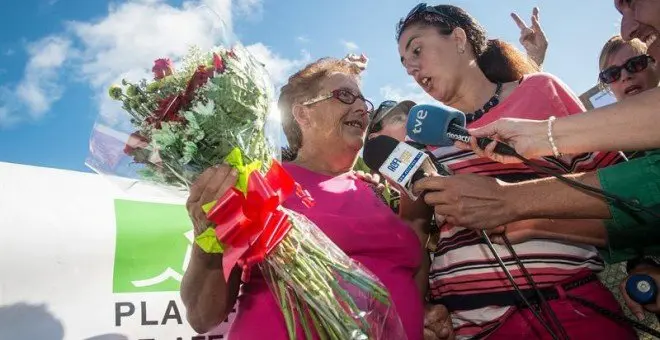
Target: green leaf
189, 151
204, 109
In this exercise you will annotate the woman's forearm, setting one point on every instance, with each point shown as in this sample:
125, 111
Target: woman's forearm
550, 198
585, 231
205, 294
629, 125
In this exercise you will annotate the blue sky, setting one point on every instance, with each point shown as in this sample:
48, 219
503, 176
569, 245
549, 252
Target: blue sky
57, 57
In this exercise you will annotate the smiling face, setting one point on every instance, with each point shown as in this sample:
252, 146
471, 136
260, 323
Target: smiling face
641, 19
434, 60
630, 84
331, 123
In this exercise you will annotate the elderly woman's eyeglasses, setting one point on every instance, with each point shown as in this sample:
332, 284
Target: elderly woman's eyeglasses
633, 65
345, 96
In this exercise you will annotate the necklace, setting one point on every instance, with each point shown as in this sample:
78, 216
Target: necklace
491, 103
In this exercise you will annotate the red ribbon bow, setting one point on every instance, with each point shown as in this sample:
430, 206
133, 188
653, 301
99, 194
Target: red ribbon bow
251, 226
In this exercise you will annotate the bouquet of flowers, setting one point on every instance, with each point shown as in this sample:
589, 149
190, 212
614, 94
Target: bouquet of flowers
214, 110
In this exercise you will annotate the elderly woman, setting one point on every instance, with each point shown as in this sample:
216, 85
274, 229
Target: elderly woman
325, 119
447, 53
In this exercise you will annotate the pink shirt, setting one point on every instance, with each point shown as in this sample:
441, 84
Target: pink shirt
351, 215
463, 272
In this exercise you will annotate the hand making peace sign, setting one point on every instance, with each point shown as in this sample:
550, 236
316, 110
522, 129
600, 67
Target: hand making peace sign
532, 37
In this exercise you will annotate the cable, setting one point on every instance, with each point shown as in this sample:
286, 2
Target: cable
622, 202
515, 285
440, 167
530, 280
615, 316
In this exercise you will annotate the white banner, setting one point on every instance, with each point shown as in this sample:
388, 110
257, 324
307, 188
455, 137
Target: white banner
80, 259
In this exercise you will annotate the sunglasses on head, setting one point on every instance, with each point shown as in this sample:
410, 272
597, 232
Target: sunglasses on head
377, 126
419, 9
632, 65
345, 96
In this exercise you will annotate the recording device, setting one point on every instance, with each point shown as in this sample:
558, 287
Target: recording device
642, 289
401, 163
441, 125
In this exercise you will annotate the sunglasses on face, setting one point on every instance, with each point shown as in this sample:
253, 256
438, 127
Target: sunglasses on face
345, 96
632, 65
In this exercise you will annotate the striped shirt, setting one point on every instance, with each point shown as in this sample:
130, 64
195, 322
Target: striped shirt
464, 274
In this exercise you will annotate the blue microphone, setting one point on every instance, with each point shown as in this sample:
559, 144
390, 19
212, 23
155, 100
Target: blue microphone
642, 289
441, 125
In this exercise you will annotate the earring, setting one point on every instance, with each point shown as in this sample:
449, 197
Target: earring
461, 50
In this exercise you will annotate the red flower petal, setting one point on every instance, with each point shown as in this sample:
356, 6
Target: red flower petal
218, 63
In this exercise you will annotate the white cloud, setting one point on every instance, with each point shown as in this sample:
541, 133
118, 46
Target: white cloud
9, 52
39, 88
349, 45
124, 43
411, 91
279, 68
134, 34
302, 39
252, 9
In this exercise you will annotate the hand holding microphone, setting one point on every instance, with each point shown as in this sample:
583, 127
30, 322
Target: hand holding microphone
529, 138
640, 290
468, 200
441, 125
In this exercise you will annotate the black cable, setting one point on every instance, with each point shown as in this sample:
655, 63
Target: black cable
615, 316
622, 202
530, 280
445, 172
515, 285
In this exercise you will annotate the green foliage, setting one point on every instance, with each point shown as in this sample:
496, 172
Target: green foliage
229, 111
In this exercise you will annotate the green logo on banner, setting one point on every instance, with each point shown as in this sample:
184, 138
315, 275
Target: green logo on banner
154, 242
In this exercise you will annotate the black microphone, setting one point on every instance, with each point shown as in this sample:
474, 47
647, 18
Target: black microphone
442, 169
400, 163
441, 125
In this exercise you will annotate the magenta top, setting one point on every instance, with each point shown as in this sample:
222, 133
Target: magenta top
354, 218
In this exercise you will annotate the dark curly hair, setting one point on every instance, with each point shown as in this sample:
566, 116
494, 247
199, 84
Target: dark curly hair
500, 61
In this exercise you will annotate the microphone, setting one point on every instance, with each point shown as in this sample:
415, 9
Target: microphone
400, 163
641, 288
441, 169
441, 125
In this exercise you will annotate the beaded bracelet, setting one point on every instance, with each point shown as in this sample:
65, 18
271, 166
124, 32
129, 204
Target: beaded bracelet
555, 151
